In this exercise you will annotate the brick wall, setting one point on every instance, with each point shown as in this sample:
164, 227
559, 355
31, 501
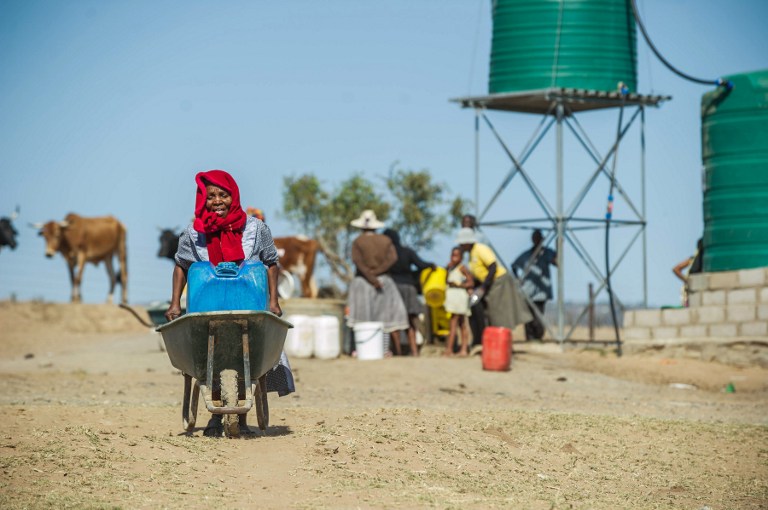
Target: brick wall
723, 305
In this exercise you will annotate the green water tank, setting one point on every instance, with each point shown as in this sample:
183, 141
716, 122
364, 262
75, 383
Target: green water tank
582, 44
734, 136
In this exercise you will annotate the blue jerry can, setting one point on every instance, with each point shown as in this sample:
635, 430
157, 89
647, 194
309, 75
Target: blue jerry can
227, 286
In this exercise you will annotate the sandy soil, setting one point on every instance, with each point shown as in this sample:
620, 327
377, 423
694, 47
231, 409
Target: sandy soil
92, 420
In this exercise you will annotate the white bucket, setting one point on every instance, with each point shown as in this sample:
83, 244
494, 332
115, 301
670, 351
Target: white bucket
369, 339
300, 340
327, 337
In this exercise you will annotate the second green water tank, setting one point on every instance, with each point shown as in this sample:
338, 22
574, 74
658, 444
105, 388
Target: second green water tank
734, 134
583, 44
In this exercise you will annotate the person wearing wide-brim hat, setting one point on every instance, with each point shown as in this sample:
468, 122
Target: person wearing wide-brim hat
373, 296
506, 307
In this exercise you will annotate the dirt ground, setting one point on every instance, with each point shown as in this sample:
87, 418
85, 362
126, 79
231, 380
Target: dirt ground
92, 420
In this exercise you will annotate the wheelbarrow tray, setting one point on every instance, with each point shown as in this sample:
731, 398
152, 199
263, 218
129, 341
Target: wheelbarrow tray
186, 341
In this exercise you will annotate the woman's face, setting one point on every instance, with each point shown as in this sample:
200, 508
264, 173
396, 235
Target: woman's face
456, 256
218, 200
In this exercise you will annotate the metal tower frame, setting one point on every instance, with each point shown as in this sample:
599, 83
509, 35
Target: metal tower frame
559, 107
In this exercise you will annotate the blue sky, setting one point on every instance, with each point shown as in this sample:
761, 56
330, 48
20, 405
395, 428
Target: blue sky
112, 107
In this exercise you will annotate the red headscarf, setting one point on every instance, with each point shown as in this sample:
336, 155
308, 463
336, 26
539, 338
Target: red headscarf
223, 235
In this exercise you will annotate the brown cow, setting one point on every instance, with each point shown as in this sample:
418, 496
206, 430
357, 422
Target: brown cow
93, 240
297, 255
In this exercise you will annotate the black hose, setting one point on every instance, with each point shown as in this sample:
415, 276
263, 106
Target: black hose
608, 217
608, 285
664, 61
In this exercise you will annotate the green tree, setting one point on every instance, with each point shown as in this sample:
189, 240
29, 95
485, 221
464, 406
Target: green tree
409, 202
420, 212
325, 215
303, 200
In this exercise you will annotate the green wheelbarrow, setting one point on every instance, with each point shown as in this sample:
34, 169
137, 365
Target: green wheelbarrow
231, 348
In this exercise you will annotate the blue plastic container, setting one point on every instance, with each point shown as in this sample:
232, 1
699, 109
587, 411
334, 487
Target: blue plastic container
227, 287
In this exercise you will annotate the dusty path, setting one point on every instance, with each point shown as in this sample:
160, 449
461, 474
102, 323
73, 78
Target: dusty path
94, 422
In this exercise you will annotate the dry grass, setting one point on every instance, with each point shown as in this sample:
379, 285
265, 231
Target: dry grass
97, 425
402, 458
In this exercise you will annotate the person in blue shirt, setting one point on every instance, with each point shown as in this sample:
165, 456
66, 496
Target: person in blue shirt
532, 267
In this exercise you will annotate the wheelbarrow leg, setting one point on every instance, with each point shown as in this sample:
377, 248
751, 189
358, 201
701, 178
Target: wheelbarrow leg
229, 399
189, 405
262, 405
195, 399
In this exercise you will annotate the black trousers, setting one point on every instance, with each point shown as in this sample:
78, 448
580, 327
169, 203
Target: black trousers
534, 330
477, 323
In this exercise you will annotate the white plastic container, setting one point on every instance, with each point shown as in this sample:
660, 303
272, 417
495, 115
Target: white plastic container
300, 340
369, 340
326, 337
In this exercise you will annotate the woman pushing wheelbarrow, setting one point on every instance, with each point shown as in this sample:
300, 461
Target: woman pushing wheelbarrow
232, 337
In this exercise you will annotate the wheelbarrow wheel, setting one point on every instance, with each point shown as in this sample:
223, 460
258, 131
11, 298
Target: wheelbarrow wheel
189, 406
229, 399
262, 406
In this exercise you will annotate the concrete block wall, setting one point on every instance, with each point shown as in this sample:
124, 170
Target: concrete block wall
723, 305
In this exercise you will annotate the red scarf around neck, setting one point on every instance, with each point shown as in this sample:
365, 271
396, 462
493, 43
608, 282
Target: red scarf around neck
224, 236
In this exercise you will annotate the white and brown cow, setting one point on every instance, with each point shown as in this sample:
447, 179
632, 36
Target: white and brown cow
93, 240
297, 255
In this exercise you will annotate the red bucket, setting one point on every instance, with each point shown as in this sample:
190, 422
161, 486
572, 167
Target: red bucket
497, 348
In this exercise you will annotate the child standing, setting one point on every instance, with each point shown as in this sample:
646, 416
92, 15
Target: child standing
460, 284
